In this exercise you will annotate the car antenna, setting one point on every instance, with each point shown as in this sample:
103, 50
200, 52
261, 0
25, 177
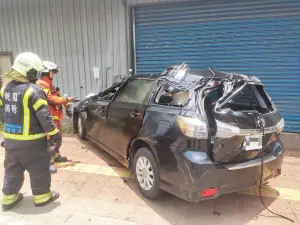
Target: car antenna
212, 71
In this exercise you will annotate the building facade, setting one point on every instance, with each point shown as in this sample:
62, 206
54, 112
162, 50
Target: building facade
95, 41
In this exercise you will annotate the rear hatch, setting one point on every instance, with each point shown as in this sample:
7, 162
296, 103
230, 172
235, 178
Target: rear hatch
243, 122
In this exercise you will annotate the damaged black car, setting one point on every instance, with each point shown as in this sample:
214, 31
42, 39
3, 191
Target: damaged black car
195, 134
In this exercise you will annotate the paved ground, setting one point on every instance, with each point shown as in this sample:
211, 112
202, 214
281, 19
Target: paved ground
98, 190
291, 142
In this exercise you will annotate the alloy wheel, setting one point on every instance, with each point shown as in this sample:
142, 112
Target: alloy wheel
144, 173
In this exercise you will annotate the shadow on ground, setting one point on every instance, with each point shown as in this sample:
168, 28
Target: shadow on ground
91, 147
26, 207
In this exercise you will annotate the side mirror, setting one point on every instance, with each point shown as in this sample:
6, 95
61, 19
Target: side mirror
165, 99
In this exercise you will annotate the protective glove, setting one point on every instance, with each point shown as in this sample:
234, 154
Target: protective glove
54, 143
69, 112
71, 99
51, 147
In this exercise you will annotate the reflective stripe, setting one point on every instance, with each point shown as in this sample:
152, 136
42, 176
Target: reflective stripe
1, 94
26, 111
39, 103
55, 131
2, 91
21, 137
46, 90
39, 199
55, 117
9, 199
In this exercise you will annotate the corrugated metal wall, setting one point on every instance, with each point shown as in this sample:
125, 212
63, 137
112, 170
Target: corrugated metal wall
259, 38
77, 34
140, 2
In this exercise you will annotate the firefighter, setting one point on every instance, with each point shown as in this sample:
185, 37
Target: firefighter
56, 103
27, 123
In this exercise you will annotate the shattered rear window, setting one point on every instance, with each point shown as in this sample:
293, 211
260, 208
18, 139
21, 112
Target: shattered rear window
245, 97
251, 97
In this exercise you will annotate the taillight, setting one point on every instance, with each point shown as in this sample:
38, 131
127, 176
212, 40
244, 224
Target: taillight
192, 127
210, 192
276, 173
280, 126
225, 130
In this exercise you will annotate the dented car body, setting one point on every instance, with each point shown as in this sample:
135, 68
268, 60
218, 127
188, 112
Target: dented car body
195, 134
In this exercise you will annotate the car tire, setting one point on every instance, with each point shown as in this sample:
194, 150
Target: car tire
81, 128
150, 172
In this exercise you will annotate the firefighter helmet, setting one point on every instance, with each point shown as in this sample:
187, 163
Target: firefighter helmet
28, 64
50, 66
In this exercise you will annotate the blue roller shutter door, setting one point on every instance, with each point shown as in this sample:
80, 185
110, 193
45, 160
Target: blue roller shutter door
260, 38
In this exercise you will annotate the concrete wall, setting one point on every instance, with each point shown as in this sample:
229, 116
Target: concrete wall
76, 34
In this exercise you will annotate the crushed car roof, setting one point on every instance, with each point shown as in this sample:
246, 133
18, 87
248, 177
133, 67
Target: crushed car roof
196, 75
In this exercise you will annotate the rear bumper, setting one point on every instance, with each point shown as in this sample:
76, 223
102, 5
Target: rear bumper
196, 173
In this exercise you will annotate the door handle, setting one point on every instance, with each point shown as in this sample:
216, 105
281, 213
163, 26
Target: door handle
134, 114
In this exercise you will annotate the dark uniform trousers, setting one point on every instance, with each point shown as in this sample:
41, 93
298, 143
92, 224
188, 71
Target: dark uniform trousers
27, 123
35, 161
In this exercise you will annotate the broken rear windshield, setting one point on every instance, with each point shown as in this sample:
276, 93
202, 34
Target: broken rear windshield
251, 97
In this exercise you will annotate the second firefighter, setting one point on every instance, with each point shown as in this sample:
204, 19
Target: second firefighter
55, 101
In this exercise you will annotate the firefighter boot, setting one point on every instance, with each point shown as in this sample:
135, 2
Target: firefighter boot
60, 158
10, 201
53, 196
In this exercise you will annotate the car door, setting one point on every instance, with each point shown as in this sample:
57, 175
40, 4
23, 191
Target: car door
96, 116
125, 115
